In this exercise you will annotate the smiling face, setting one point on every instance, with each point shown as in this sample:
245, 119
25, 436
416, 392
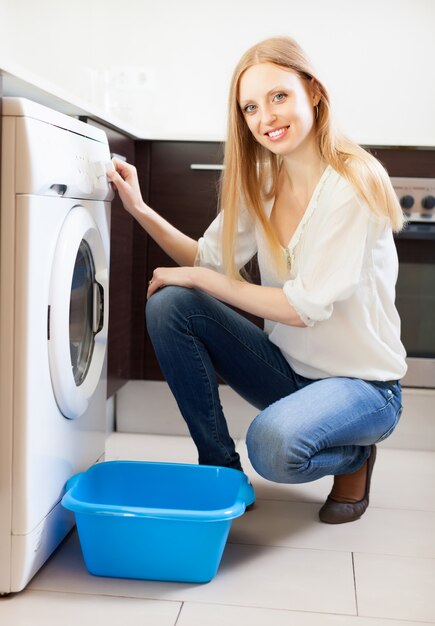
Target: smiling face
278, 108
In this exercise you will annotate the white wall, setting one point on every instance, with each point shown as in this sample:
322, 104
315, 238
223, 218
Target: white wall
174, 58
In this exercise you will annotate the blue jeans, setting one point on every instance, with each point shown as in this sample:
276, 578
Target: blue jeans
306, 428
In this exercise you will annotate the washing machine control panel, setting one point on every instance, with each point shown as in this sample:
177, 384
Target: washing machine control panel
77, 164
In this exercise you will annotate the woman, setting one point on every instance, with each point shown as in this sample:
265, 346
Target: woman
319, 212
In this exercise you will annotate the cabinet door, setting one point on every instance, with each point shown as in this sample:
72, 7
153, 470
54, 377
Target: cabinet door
187, 198
184, 190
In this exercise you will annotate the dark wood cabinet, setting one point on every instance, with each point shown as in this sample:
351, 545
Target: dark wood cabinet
407, 162
188, 199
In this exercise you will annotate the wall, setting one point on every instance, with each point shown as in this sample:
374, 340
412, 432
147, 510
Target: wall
166, 66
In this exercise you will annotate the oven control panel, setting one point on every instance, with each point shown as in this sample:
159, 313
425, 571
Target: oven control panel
416, 197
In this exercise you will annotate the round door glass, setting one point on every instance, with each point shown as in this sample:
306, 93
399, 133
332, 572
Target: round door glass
81, 313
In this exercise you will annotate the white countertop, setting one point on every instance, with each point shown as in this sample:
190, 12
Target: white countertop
20, 83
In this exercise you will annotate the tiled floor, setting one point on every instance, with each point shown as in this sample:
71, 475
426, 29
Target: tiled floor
281, 566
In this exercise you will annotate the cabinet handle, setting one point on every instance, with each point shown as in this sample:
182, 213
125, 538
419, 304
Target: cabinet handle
206, 166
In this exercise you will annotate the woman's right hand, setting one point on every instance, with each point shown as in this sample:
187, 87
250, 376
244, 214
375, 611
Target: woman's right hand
180, 247
124, 177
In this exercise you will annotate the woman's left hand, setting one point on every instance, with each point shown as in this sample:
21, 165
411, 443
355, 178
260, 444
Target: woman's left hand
164, 276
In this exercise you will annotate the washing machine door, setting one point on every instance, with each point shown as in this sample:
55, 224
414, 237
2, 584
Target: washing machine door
78, 312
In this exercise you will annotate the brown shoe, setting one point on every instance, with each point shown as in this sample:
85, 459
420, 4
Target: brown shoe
333, 512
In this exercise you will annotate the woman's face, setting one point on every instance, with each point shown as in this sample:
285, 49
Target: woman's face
278, 108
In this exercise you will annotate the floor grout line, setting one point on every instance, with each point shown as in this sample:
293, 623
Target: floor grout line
354, 583
179, 613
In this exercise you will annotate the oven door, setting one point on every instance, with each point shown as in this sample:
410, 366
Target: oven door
415, 300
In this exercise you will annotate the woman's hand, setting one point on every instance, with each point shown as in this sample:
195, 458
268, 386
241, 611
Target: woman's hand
164, 276
124, 177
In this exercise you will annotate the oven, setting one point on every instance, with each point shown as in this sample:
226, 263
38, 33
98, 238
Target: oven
415, 290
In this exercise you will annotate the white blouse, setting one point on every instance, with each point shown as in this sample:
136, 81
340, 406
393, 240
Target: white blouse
342, 273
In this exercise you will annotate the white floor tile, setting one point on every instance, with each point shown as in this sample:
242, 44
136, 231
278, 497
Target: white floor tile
296, 525
404, 479
269, 577
283, 578
41, 608
222, 615
395, 587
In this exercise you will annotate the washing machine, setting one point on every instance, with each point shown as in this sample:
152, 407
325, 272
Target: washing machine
54, 274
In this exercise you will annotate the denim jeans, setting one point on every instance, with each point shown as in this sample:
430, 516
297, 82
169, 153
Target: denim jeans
305, 429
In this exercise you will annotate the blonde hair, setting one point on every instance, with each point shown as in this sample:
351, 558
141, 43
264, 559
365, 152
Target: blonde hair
251, 171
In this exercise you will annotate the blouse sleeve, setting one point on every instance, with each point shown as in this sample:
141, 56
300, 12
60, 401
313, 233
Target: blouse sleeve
331, 258
210, 247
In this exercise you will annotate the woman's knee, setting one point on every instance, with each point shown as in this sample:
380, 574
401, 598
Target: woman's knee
267, 450
164, 307
273, 450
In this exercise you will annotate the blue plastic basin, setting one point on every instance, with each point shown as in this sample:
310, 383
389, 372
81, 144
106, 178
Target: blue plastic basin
156, 521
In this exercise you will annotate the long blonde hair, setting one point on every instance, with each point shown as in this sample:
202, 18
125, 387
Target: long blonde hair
251, 171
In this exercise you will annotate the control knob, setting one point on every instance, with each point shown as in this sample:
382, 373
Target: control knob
428, 202
407, 202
